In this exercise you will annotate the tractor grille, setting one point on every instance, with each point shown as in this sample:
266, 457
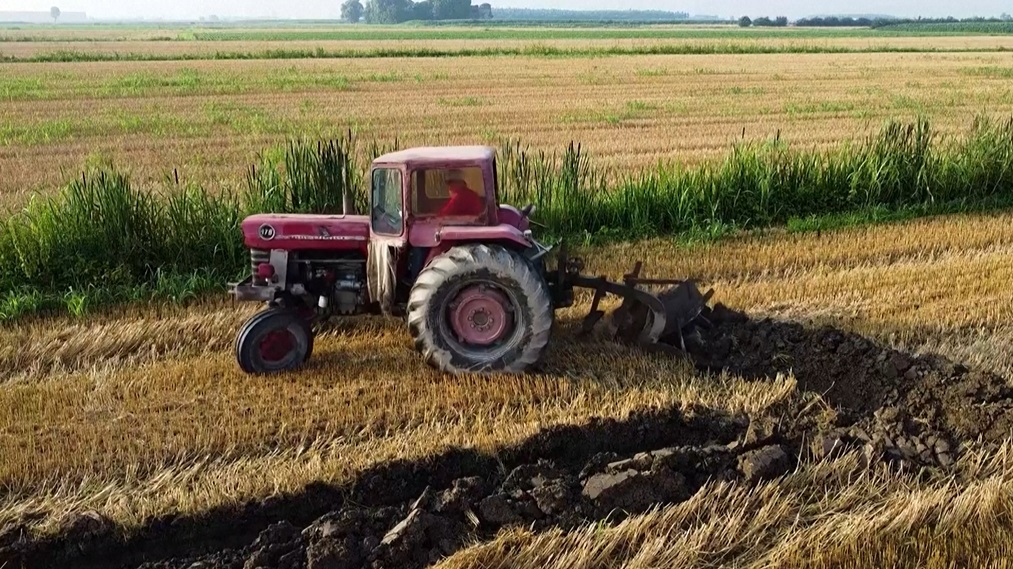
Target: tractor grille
258, 256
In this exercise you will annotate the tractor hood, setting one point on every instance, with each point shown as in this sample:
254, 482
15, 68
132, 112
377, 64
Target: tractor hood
304, 231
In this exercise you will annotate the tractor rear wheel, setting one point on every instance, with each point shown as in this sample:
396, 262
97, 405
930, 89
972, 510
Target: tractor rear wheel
480, 308
273, 341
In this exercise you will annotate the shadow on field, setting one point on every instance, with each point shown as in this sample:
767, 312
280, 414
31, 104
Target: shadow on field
910, 411
93, 543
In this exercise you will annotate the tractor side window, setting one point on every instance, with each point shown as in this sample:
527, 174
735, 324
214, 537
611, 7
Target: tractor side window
453, 192
387, 216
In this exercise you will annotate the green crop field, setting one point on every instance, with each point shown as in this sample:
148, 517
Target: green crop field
845, 192
952, 28
522, 34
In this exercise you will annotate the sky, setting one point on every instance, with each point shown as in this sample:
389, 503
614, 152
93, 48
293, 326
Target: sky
331, 8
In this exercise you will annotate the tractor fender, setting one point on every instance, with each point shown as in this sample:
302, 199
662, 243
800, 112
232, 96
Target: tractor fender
509, 215
440, 238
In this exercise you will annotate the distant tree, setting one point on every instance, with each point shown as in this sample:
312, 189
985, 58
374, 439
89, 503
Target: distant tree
423, 10
834, 21
557, 15
764, 21
745, 22
397, 11
55, 13
388, 11
351, 11
451, 9
1005, 17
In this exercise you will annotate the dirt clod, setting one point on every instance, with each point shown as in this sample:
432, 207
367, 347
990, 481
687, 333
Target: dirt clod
463, 493
635, 491
554, 498
331, 555
767, 462
495, 510
274, 547
87, 525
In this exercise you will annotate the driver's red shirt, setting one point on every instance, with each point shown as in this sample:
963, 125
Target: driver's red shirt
463, 201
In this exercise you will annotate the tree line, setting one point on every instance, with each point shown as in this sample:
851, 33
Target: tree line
834, 21
557, 15
860, 22
764, 22
397, 11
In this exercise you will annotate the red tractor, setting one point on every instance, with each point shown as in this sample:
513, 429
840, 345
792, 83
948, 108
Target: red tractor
439, 250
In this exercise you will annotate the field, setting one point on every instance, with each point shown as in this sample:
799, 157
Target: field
851, 406
629, 111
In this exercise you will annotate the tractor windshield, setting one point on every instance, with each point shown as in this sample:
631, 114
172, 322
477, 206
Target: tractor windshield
387, 214
455, 192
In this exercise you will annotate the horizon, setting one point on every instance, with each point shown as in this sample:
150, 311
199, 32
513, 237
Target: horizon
188, 10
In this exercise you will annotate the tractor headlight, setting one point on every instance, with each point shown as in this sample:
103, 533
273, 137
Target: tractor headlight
265, 271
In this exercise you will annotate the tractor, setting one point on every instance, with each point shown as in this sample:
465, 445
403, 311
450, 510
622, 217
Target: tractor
438, 250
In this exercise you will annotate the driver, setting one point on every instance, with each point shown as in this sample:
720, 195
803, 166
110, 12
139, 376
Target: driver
463, 200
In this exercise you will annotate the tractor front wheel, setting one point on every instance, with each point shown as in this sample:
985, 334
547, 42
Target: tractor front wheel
480, 308
274, 341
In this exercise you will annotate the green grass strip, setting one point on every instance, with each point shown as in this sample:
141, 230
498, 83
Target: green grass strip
103, 240
534, 50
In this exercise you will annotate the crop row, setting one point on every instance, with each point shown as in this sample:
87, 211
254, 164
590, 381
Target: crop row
531, 50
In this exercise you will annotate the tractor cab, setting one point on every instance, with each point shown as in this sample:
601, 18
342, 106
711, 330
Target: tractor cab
433, 186
423, 201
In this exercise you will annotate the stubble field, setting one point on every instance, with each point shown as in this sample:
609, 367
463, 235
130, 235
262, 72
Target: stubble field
208, 119
129, 435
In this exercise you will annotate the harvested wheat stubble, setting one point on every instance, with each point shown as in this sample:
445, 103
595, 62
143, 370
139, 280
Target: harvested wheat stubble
115, 341
629, 111
866, 279
924, 413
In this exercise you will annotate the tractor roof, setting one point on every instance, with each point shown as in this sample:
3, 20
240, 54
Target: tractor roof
438, 156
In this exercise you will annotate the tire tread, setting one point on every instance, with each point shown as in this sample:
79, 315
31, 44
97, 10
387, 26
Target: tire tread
501, 262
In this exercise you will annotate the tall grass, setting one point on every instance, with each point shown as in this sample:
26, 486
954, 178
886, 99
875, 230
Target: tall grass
102, 239
326, 178
762, 184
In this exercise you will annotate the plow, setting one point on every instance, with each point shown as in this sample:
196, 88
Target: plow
465, 272
655, 322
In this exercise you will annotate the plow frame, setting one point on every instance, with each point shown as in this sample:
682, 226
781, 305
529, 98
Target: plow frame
634, 294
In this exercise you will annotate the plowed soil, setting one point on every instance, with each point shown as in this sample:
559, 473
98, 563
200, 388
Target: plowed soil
917, 408
915, 412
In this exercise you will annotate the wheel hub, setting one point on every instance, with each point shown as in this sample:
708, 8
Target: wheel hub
481, 315
276, 345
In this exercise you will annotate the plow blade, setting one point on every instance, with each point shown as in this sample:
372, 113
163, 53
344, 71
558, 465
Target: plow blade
654, 321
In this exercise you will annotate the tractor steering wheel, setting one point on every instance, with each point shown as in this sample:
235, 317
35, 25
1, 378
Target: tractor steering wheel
390, 219
528, 210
